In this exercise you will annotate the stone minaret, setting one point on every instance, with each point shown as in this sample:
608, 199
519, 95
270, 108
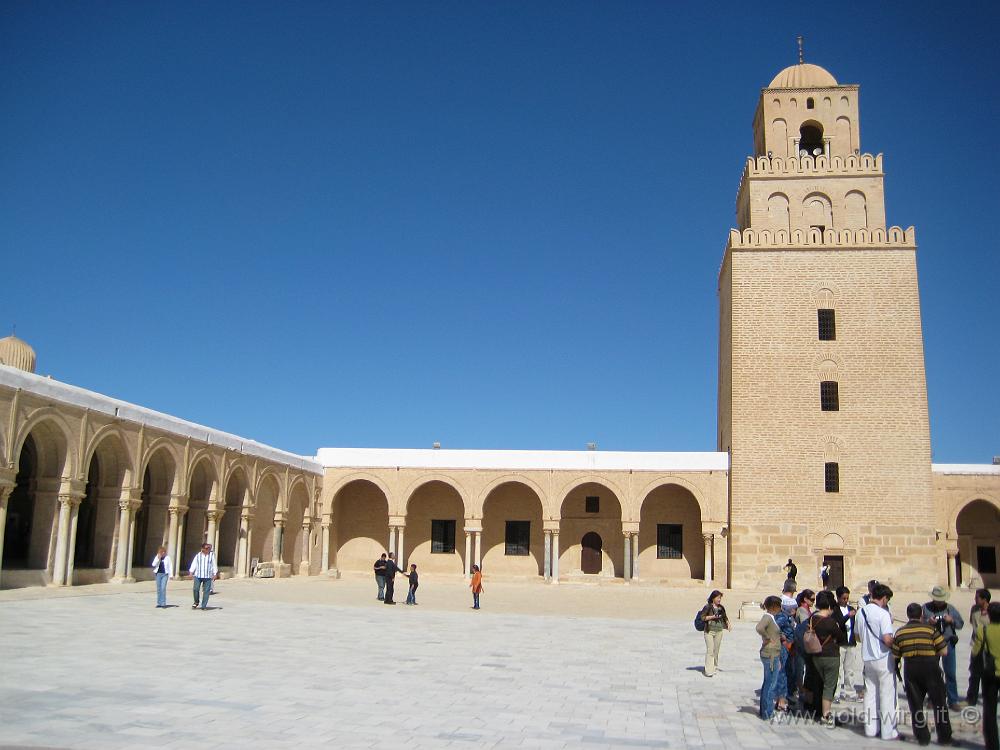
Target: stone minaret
822, 393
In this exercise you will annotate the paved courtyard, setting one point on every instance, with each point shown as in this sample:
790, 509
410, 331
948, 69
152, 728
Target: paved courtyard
288, 664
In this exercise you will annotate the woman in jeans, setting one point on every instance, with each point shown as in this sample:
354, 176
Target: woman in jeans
163, 569
713, 614
770, 655
827, 662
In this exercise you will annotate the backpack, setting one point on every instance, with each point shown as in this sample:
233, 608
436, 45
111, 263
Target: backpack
699, 624
987, 659
811, 641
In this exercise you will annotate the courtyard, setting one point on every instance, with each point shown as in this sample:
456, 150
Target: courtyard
306, 663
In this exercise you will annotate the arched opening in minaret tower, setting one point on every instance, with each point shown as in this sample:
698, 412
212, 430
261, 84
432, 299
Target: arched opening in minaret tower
810, 139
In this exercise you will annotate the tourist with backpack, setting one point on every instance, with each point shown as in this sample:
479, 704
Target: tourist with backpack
714, 622
770, 655
823, 640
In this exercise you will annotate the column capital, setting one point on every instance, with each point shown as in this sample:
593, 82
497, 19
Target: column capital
124, 505
473, 529
397, 521
72, 488
326, 523
177, 510
631, 527
8, 479
247, 514
213, 515
71, 498
131, 494
708, 537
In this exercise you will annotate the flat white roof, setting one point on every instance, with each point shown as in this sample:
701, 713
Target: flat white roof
55, 390
965, 468
425, 458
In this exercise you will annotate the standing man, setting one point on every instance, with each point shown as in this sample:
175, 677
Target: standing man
204, 570
850, 656
948, 621
824, 575
978, 617
874, 623
390, 577
380, 577
920, 646
793, 571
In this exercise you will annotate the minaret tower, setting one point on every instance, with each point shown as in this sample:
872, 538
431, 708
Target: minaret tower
822, 392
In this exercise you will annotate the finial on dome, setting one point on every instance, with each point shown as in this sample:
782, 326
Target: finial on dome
802, 57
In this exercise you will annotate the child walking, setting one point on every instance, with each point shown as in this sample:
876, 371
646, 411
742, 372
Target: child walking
411, 595
476, 585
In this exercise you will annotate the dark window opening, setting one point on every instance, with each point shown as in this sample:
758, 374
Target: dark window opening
669, 541
811, 139
829, 395
827, 325
810, 104
831, 472
516, 538
593, 504
442, 537
986, 560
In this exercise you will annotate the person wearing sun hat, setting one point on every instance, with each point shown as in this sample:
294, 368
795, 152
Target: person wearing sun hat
947, 621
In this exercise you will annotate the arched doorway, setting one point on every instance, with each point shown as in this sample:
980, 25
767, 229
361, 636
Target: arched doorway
201, 494
229, 526
20, 510
670, 539
262, 540
591, 510
293, 538
98, 517
360, 526
591, 558
512, 540
978, 527
152, 521
435, 519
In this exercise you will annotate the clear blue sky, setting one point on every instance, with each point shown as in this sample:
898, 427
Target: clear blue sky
494, 225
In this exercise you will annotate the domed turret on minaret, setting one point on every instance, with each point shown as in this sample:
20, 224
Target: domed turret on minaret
17, 353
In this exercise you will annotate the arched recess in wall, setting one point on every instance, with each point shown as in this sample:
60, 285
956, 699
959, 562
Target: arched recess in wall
98, 514
294, 535
591, 508
817, 211
780, 129
670, 538
512, 539
777, 211
201, 493
263, 543
978, 528
152, 520
435, 519
360, 526
236, 492
855, 210
842, 134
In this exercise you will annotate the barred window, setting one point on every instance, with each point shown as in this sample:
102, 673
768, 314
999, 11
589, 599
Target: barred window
516, 538
442, 537
827, 324
829, 395
669, 541
593, 504
832, 476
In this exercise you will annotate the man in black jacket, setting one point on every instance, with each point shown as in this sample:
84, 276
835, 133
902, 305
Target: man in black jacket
851, 684
390, 577
380, 577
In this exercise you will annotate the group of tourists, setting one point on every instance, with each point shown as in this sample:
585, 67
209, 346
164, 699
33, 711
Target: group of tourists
204, 572
385, 578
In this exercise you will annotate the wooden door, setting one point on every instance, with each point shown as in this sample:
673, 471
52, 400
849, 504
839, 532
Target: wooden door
836, 563
590, 557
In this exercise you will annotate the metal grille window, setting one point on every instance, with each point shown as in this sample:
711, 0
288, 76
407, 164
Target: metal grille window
593, 504
442, 537
829, 395
516, 538
669, 541
827, 324
831, 475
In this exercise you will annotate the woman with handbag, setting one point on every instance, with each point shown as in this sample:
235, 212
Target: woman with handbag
823, 641
986, 645
713, 614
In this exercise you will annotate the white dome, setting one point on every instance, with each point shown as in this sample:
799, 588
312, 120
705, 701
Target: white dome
803, 76
16, 353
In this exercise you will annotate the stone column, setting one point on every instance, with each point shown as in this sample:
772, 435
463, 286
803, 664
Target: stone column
181, 523
213, 524
400, 555
62, 541
124, 526
325, 530
306, 549
243, 545
547, 562
555, 557
709, 577
627, 559
479, 549
172, 536
5, 491
635, 556
392, 540
214, 539
468, 554
277, 542
131, 540
74, 516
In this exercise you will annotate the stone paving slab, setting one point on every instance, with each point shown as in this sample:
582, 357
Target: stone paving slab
110, 671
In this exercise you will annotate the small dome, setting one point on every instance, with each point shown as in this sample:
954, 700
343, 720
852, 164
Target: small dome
17, 353
803, 76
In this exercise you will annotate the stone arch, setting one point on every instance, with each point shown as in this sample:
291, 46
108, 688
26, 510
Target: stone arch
957, 509
109, 471
842, 134
202, 494
855, 210
777, 211
123, 456
577, 518
435, 501
31, 514
780, 129
827, 370
53, 439
263, 543
480, 503
166, 445
670, 516
511, 504
152, 521
293, 538
337, 486
235, 497
817, 210
833, 541
977, 526
294, 481
360, 514
415, 486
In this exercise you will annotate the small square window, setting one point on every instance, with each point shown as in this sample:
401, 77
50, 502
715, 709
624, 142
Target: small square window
516, 538
827, 320
669, 541
593, 504
829, 395
986, 560
442, 537
832, 476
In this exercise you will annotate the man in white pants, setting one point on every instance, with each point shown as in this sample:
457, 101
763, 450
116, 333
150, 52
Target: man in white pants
874, 624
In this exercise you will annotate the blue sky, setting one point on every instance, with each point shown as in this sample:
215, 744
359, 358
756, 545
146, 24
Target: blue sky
493, 225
